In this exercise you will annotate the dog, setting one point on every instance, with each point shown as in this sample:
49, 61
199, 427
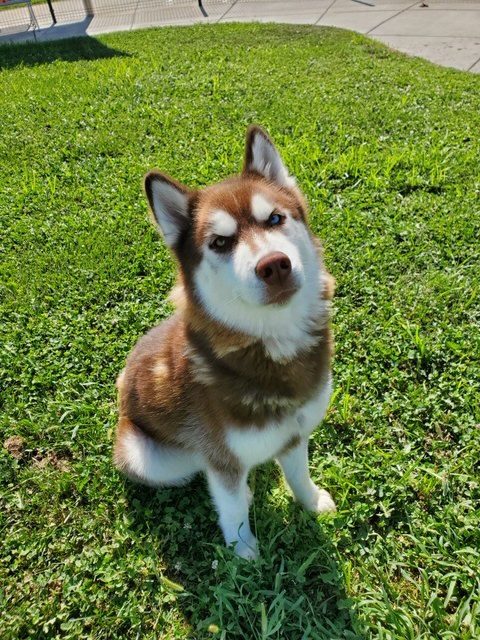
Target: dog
241, 373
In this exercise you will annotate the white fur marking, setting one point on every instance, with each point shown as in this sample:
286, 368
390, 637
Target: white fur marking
261, 207
295, 461
253, 446
312, 412
267, 161
120, 380
223, 224
201, 370
160, 369
232, 293
169, 207
294, 464
232, 507
155, 464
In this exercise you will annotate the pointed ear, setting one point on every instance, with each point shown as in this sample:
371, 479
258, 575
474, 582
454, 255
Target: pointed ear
262, 157
168, 200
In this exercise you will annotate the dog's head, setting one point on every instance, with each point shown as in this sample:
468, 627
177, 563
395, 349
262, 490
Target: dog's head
244, 247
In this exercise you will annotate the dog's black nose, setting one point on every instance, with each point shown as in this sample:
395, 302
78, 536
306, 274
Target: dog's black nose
274, 269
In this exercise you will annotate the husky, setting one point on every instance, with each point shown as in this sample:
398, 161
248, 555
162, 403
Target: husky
241, 373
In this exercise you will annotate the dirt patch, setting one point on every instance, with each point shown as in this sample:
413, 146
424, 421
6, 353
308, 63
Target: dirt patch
50, 459
15, 445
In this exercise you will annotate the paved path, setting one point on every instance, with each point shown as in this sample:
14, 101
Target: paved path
444, 31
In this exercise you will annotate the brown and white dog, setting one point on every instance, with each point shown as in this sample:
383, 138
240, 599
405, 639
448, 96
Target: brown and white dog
240, 374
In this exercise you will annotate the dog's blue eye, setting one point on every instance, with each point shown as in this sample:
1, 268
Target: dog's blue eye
275, 219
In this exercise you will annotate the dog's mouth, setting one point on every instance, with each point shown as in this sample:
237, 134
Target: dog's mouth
280, 297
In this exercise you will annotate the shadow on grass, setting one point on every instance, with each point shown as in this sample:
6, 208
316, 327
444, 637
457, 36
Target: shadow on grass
296, 589
72, 49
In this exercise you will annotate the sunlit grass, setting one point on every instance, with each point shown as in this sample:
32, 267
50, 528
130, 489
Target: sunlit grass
386, 150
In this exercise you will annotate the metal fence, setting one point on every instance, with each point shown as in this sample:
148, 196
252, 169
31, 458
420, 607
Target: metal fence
16, 16
116, 15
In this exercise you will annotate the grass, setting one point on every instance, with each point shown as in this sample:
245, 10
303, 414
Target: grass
386, 149
12, 6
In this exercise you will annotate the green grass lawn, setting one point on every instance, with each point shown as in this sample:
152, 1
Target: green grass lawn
12, 6
386, 149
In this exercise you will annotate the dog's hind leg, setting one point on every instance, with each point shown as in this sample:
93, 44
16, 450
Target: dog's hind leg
144, 460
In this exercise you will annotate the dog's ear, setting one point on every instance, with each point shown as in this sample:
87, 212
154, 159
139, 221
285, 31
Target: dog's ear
262, 157
168, 200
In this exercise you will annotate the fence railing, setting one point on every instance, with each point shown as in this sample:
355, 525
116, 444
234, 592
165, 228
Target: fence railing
16, 16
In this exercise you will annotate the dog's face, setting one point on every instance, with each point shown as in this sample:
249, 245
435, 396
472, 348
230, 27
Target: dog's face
244, 247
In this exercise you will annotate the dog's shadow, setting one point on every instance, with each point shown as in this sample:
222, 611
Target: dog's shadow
298, 579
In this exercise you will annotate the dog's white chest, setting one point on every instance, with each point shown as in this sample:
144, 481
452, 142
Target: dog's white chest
253, 445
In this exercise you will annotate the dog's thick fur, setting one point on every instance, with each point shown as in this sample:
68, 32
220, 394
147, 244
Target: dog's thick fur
241, 372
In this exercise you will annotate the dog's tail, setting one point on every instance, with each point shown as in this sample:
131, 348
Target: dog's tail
144, 460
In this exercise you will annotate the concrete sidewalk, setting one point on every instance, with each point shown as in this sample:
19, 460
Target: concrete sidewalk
444, 31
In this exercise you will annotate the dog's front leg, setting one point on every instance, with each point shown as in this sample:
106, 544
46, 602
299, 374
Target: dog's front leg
294, 463
230, 495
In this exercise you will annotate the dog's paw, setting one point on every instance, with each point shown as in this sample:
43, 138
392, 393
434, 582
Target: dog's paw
321, 502
247, 549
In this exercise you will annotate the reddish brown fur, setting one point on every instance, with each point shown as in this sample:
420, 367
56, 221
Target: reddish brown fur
179, 409
166, 392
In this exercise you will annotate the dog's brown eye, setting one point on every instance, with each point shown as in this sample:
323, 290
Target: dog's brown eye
220, 243
275, 219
